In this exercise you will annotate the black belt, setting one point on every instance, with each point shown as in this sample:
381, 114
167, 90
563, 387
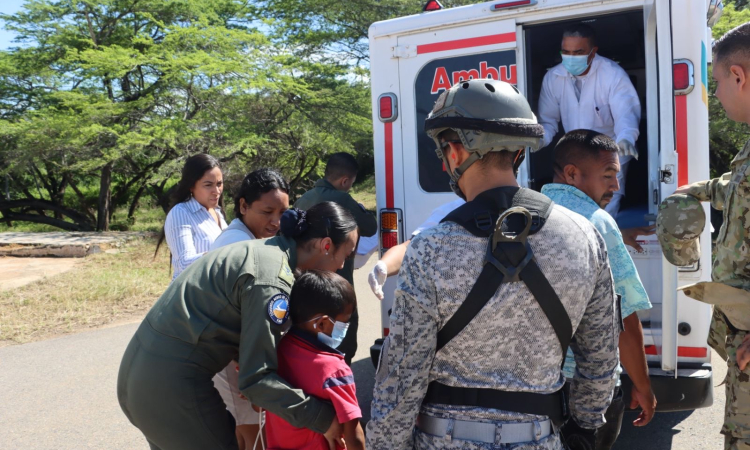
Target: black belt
552, 405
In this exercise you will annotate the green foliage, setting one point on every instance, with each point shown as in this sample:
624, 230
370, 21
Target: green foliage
111, 96
726, 137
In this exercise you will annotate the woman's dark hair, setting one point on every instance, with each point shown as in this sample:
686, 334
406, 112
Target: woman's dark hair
318, 292
193, 170
326, 219
257, 183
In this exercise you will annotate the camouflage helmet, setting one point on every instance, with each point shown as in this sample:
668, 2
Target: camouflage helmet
488, 116
679, 224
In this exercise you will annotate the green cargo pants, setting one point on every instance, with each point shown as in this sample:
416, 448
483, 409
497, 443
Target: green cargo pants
165, 389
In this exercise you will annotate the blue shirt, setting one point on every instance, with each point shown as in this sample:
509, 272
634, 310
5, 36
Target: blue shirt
627, 282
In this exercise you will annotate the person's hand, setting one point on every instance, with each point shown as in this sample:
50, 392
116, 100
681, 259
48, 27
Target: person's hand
377, 279
333, 435
626, 148
630, 236
743, 352
682, 190
647, 402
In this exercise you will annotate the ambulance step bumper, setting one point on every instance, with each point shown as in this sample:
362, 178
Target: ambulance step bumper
692, 389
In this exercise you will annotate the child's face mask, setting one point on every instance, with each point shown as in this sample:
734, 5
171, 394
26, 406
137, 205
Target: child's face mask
337, 335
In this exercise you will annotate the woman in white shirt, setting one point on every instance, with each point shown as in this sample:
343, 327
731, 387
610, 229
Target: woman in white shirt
261, 200
195, 220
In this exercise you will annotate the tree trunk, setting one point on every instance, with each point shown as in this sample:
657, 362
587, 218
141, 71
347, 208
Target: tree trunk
136, 199
105, 198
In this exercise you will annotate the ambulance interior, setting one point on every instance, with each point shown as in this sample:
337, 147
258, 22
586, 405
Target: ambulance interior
620, 38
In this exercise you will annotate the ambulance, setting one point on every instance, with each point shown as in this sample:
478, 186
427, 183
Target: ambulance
665, 48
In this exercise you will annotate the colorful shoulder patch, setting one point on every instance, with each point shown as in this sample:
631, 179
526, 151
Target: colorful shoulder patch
278, 308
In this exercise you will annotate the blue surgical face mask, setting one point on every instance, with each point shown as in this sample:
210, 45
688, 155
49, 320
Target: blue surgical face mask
337, 335
576, 64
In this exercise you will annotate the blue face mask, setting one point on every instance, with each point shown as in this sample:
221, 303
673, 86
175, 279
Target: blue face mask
337, 335
576, 64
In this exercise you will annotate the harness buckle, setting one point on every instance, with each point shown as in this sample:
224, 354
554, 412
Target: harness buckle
483, 220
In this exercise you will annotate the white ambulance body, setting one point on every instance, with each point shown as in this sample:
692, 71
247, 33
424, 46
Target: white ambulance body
663, 45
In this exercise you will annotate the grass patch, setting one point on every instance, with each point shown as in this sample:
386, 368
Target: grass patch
103, 289
364, 192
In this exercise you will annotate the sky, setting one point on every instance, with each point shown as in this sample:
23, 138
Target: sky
8, 7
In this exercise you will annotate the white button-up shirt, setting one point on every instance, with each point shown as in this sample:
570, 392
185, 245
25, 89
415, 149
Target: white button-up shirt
190, 230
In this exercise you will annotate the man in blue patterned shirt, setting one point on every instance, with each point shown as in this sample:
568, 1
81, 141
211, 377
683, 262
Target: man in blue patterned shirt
586, 167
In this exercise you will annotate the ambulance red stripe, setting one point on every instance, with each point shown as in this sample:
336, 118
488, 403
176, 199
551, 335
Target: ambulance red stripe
681, 138
504, 38
686, 352
389, 165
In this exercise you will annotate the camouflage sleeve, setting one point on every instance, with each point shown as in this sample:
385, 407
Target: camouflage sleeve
711, 190
258, 379
595, 350
405, 360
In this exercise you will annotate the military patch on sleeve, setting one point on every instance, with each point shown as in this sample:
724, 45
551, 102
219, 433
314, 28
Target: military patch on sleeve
286, 274
278, 308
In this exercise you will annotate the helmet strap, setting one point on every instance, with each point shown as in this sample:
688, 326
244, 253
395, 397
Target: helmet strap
518, 160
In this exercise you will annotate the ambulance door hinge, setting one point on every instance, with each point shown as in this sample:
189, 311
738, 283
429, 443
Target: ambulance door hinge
665, 175
405, 51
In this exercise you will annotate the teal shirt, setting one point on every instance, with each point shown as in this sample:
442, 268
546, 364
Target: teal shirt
627, 282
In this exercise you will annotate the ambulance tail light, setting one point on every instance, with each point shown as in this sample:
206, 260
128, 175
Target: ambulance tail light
432, 5
512, 4
683, 76
391, 225
387, 107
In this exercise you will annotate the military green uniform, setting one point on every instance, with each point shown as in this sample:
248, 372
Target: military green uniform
230, 304
731, 193
323, 191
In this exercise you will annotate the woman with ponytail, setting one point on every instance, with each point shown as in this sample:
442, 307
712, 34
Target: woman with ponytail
259, 204
232, 303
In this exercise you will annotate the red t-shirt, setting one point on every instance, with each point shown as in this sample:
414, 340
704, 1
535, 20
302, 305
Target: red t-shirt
320, 371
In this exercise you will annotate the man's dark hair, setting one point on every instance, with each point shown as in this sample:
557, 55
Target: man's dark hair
341, 164
581, 30
317, 293
579, 145
501, 160
733, 48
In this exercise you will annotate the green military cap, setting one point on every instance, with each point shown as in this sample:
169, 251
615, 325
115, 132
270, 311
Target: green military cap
679, 224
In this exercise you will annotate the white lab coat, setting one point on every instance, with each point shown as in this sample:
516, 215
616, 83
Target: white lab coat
609, 103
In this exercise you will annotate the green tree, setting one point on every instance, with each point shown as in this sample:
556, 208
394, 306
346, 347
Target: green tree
104, 99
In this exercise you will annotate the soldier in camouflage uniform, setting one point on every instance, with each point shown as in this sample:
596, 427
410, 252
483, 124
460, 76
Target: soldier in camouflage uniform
731, 193
509, 346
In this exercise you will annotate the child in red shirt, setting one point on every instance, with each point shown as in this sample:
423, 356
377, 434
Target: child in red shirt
320, 306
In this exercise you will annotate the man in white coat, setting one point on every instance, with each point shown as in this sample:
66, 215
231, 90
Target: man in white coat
590, 91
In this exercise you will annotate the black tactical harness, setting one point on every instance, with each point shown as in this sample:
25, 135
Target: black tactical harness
507, 216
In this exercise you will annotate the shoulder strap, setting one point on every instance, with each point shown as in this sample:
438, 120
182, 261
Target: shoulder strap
509, 254
480, 215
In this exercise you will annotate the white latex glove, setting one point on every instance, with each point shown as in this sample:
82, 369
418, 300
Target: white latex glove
377, 279
626, 148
